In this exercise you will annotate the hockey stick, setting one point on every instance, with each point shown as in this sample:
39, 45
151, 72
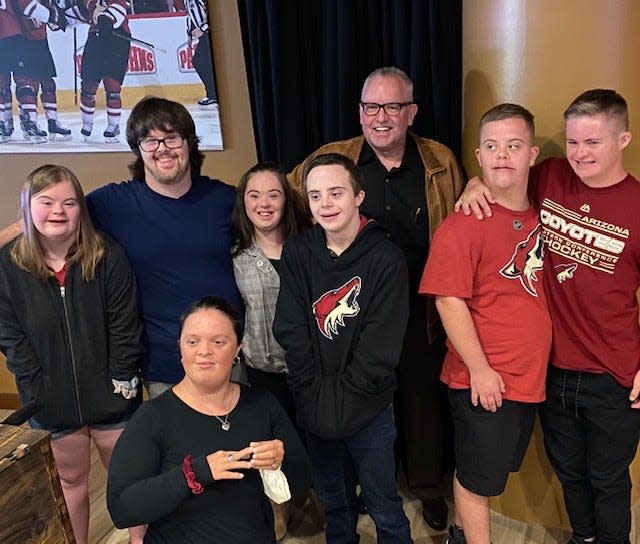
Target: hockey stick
75, 67
140, 42
122, 36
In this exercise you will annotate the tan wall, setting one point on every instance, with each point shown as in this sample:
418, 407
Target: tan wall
95, 170
543, 54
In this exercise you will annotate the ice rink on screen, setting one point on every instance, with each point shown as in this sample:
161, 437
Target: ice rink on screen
207, 128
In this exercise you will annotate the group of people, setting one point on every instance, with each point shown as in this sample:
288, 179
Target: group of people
585, 273
340, 342
25, 55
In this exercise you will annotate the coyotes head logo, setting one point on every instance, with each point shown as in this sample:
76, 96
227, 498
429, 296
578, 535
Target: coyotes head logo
565, 271
332, 307
527, 259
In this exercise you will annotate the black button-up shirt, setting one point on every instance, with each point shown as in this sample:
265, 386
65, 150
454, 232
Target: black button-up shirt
396, 199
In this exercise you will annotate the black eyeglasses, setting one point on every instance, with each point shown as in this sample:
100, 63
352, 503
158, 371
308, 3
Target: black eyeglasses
390, 108
174, 141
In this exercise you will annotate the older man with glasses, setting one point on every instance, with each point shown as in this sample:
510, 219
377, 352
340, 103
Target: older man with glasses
411, 184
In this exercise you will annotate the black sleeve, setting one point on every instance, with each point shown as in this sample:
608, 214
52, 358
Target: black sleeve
124, 327
22, 360
291, 322
137, 492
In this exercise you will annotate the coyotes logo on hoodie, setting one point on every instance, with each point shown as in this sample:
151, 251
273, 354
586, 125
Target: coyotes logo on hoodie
331, 309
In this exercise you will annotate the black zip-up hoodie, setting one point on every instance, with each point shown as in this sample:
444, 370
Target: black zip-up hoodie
65, 346
342, 323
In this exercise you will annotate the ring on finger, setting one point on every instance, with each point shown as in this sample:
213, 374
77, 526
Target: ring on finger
230, 458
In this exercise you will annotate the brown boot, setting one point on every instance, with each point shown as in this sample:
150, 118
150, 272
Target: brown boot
280, 519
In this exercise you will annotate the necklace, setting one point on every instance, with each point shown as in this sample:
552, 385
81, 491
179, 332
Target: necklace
224, 423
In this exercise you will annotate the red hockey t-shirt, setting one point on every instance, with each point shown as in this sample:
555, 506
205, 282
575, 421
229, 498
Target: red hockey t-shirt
496, 267
592, 269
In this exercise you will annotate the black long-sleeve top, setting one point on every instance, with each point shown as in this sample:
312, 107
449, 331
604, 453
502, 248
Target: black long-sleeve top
146, 483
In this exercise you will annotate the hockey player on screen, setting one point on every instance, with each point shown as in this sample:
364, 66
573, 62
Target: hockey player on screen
10, 41
105, 58
34, 69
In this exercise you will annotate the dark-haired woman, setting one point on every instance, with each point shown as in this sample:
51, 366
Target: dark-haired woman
266, 213
188, 464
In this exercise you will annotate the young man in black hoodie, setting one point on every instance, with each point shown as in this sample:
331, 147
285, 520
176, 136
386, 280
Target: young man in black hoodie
341, 317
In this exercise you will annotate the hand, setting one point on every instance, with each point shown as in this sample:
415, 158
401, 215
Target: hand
196, 33
487, 387
267, 455
224, 464
57, 19
99, 9
475, 198
634, 396
105, 26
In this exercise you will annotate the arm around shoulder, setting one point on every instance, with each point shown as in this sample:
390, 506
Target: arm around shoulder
9, 233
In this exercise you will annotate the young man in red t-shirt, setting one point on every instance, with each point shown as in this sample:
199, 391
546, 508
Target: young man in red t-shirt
487, 280
588, 206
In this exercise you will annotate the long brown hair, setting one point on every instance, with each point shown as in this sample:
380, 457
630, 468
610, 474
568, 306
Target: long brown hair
294, 216
27, 252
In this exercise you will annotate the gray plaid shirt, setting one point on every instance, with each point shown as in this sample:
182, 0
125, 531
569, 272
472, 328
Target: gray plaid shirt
259, 284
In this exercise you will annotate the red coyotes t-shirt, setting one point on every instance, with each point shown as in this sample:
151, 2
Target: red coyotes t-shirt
495, 265
592, 270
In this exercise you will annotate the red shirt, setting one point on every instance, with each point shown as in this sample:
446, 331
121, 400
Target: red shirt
31, 28
9, 25
494, 265
592, 270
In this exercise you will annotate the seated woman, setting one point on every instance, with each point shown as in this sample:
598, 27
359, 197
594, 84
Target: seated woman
70, 331
188, 463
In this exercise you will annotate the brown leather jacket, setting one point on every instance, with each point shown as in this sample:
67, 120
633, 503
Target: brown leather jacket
443, 183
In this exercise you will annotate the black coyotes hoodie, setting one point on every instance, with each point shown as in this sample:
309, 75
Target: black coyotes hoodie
342, 323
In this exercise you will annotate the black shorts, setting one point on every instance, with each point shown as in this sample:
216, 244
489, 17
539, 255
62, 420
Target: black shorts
489, 445
35, 60
9, 49
105, 56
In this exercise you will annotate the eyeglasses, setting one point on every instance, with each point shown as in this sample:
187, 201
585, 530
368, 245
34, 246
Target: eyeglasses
152, 144
390, 108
